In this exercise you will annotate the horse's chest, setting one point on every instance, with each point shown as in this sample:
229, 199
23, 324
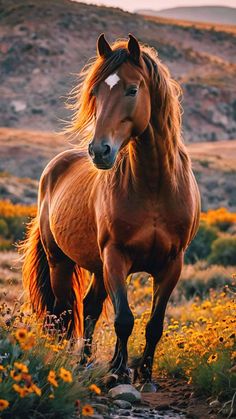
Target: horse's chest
150, 237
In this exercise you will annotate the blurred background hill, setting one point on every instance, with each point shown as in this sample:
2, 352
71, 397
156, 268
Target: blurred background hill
44, 43
213, 14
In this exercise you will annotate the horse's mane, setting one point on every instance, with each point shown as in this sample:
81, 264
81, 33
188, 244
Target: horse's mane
165, 97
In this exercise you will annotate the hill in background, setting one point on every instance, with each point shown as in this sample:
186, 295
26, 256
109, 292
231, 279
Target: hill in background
24, 154
214, 14
44, 43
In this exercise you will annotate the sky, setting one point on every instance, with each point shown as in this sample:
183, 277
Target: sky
160, 4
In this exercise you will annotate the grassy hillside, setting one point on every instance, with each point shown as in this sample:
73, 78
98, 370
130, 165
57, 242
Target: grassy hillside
43, 44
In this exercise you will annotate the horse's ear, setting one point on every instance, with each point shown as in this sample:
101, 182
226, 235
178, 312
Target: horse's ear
103, 47
134, 48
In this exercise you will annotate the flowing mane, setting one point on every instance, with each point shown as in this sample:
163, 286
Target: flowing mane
165, 99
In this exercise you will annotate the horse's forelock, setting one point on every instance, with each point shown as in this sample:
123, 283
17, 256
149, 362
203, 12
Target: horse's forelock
108, 66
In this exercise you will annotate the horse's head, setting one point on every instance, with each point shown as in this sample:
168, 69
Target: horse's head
124, 90
122, 101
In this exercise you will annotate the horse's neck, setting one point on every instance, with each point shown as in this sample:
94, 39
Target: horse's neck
149, 162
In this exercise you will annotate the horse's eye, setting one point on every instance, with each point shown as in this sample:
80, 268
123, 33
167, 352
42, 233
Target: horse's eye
131, 91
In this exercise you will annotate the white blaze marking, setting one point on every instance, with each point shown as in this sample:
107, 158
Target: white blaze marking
112, 80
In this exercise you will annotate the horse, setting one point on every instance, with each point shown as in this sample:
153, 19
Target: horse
123, 200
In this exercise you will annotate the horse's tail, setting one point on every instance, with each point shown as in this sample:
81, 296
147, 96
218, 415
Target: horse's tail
36, 279
35, 271
80, 280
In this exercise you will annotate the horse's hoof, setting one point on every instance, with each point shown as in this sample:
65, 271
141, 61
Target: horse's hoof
113, 380
147, 387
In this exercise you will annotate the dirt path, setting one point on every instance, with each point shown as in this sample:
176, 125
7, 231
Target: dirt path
178, 396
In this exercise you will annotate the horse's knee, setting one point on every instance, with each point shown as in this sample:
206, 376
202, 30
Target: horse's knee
124, 323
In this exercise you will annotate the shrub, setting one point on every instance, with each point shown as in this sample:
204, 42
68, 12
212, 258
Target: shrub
200, 248
200, 279
5, 244
17, 226
3, 228
223, 251
220, 218
13, 220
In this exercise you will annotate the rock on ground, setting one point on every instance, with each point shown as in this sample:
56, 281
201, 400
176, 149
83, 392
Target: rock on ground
125, 392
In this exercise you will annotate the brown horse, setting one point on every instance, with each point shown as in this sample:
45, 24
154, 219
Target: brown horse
140, 215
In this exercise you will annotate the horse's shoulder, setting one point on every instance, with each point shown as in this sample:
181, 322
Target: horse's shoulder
59, 164
63, 160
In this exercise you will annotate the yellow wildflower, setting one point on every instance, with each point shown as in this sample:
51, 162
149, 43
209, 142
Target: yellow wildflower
15, 376
21, 334
65, 375
36, 389
28, 343
95, 389
22, 391
3, 404
212, 358
87, 410
21, 367
52, 378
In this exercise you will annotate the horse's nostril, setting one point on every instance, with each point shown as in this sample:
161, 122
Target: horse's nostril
106, 150
91, 151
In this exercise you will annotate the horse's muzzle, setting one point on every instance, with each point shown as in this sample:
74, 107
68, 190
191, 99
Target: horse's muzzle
102, 154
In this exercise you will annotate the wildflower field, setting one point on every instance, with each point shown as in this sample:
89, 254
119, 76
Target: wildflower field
40, 374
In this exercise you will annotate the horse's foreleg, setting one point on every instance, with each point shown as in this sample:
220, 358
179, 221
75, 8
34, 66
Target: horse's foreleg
93, 304
116, 268
163, 286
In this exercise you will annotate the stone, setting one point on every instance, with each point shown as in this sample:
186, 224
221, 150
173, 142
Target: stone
125, 392
123, 404
100, 408
18, 105
215, 404
147, 388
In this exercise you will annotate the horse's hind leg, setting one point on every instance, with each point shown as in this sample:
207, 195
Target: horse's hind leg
61, 269
61, 272
163, 286
93, 304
